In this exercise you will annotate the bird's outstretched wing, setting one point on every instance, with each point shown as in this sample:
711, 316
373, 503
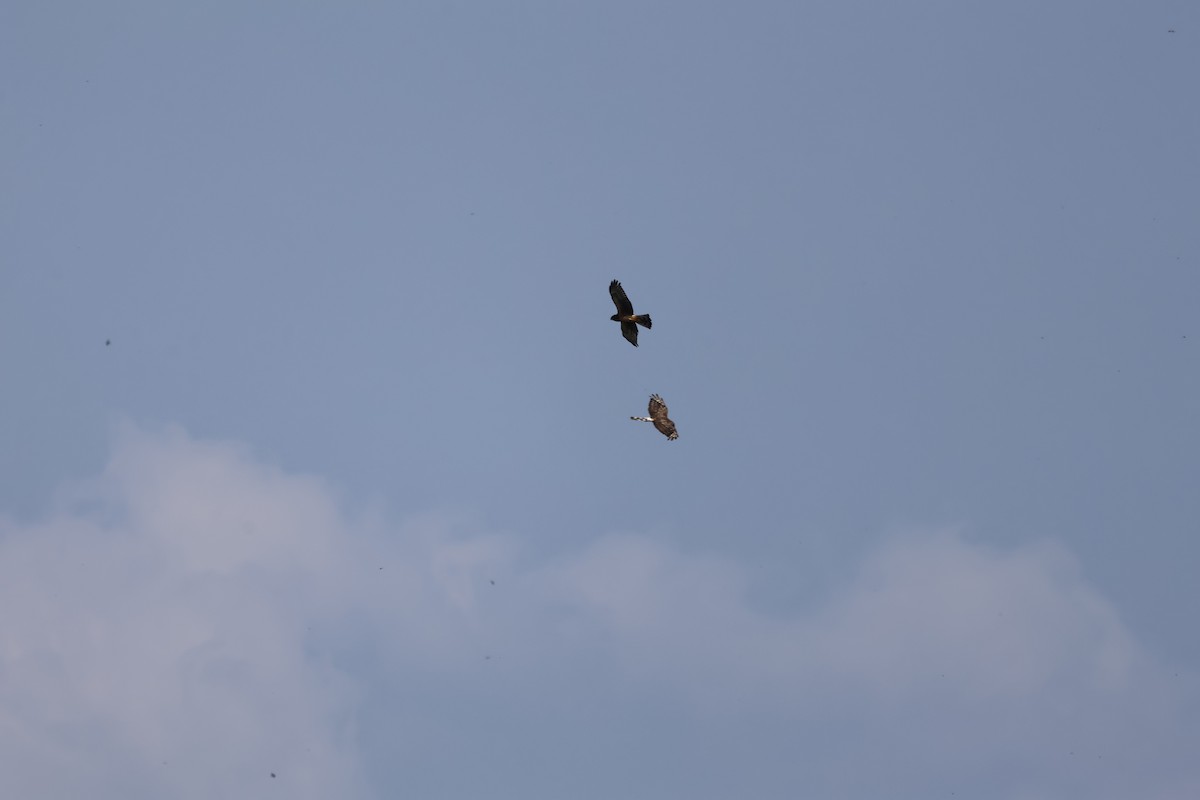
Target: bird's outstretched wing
624, 307
657, 407
629, 331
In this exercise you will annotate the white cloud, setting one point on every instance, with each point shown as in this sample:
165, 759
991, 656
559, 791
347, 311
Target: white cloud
149, 645
192, 620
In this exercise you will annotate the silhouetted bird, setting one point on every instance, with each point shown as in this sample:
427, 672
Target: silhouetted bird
629, 320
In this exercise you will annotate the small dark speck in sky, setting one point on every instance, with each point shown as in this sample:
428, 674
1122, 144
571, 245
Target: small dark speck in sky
107, 342
494, 583
272, 774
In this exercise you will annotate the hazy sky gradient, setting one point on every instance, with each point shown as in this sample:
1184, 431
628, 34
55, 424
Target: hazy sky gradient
924, 283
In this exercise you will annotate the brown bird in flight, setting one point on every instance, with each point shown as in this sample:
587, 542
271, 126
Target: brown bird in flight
658, 415
629, 320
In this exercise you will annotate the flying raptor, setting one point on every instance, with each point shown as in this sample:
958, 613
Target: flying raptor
658, 415
629, 320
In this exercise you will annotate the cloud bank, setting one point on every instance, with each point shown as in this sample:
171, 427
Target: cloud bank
193, 620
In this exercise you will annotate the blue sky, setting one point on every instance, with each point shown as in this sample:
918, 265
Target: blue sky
924, 282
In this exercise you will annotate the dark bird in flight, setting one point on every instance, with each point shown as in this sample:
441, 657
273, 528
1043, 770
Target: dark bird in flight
629, 320
658, 415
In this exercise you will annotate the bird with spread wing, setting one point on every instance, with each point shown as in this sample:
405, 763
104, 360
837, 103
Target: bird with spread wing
658, 415
629, 320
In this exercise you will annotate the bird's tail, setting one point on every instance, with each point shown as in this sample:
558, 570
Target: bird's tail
642, 419
643, 320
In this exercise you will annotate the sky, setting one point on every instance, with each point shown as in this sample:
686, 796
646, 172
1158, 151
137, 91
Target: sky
317, 476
